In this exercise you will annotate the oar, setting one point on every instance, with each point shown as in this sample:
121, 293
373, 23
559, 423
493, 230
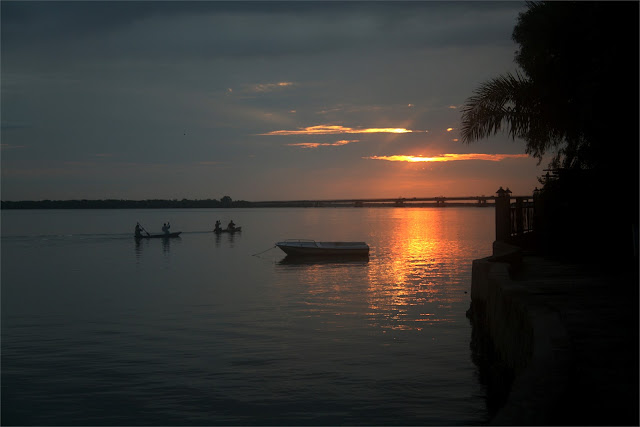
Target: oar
144, 230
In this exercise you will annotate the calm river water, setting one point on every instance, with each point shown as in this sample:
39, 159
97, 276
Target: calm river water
100, 330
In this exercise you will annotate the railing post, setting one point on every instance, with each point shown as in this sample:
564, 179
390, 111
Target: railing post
503, 216
519, 216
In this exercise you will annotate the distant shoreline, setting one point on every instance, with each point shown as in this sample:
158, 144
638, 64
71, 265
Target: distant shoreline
209, 204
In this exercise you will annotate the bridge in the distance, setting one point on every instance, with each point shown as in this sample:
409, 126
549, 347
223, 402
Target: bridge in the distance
514, 214
440, 201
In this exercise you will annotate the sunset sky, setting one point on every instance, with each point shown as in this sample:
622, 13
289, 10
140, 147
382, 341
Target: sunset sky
254, 100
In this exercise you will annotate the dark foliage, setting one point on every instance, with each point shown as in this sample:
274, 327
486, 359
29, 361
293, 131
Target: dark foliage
582, 60
579, 89
576, 95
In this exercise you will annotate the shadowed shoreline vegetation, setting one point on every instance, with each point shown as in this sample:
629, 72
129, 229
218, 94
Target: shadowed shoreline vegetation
122, 204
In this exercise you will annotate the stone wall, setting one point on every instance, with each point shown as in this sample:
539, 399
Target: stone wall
528, 338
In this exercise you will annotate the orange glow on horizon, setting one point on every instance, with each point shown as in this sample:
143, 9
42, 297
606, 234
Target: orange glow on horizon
448, 157
336, 129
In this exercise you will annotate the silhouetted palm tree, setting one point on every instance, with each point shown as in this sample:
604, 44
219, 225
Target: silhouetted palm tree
577, 91
509, 103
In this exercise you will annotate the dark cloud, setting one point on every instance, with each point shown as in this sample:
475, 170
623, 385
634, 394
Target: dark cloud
26, 22
240, 29
7, 126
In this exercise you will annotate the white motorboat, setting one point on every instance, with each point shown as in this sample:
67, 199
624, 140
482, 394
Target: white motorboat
306, 247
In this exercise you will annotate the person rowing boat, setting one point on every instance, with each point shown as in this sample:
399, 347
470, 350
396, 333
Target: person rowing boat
139, 229
166, 234
165, 228
231, 228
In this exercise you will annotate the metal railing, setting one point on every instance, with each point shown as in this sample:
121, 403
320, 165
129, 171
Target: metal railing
521, 217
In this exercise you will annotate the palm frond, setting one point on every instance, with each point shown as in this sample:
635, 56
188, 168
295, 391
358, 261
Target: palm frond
510, 103
505, 101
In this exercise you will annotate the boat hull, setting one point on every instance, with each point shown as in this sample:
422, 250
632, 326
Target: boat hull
324, 249
226, 230
160, 236
324, 260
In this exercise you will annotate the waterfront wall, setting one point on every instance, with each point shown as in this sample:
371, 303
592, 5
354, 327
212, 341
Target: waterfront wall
528, 338
498, 307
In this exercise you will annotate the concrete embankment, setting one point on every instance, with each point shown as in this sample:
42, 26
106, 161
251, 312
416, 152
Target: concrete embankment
568, 333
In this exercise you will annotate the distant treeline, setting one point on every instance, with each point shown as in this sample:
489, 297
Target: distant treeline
225, 202
123, 204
